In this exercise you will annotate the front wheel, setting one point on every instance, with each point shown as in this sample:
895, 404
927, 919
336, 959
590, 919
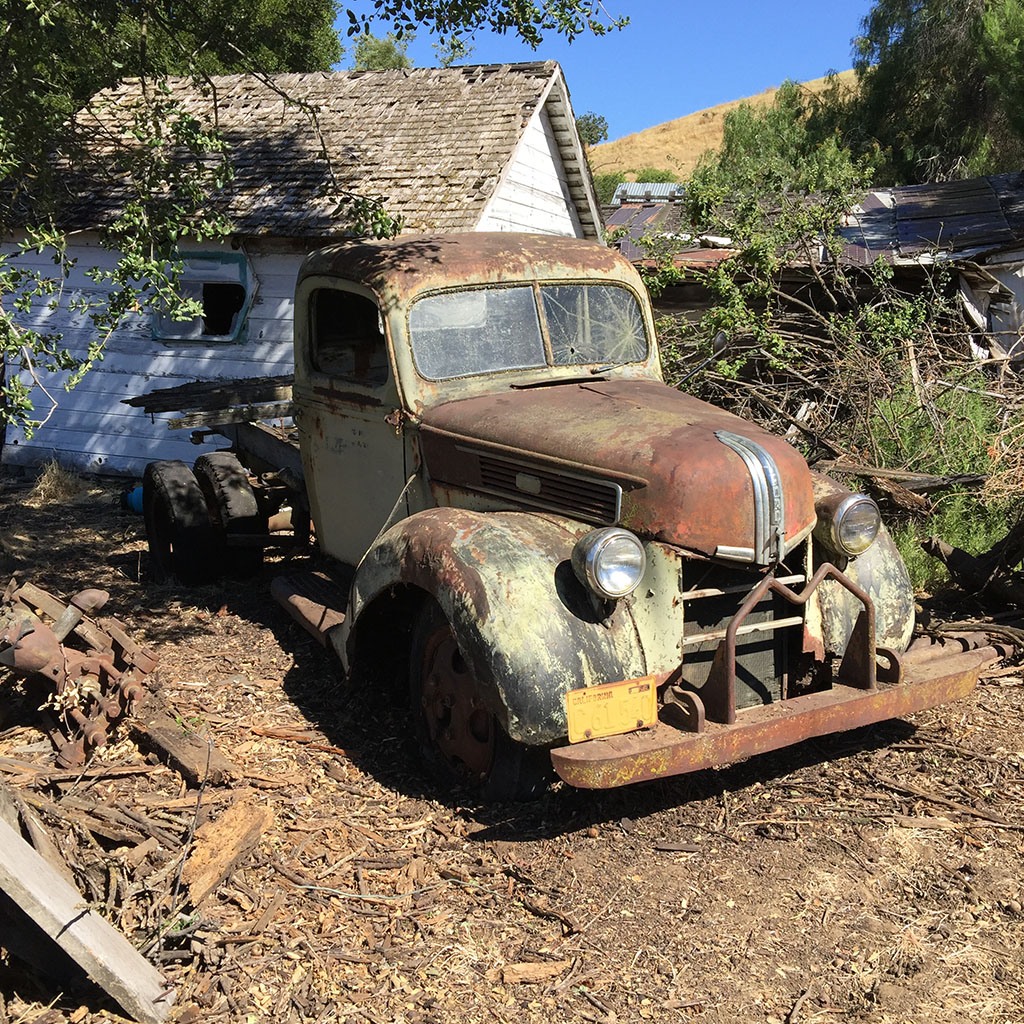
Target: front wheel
460, 738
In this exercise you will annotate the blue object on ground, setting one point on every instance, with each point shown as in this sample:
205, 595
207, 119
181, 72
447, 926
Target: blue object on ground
133, 499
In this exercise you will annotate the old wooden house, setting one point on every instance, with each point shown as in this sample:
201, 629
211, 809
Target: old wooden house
459, 149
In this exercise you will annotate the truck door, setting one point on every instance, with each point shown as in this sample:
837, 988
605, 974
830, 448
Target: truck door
346, 397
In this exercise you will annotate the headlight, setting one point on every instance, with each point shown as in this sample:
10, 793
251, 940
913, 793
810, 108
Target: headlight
610, 561
854, 524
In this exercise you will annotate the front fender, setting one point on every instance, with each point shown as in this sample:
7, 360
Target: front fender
881, 572
522, 619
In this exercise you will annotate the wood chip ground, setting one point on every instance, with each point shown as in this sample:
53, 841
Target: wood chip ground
874, 876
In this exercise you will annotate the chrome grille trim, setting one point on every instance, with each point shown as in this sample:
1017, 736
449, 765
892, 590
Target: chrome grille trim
769, 500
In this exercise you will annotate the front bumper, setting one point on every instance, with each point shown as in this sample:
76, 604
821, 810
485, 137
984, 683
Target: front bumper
872, 685
665, 750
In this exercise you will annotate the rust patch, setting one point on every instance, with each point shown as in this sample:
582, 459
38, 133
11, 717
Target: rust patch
403, 266
428, 559
680, 484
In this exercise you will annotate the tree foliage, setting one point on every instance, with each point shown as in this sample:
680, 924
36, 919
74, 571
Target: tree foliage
606, 184
592, 128
774, 176
451, 51
381, 54
941, 88
656, 175
530, 20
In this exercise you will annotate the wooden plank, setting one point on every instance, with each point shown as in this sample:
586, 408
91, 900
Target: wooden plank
60, 910
215, 394
241, 414
41, 839
220, 845
186, 751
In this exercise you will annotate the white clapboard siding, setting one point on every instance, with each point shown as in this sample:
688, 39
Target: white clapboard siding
534, 194
90, 429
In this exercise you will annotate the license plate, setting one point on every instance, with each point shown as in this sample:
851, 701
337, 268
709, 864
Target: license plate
611, 708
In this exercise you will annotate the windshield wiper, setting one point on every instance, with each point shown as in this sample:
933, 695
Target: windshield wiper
551, 383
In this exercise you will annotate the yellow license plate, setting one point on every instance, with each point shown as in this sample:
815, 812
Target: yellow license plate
611, 708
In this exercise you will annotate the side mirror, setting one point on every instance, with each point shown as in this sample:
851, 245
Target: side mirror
719, 344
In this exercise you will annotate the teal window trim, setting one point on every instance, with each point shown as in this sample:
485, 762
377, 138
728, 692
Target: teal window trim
165, 329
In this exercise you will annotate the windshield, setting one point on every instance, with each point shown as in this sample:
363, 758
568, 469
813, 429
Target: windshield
460, 334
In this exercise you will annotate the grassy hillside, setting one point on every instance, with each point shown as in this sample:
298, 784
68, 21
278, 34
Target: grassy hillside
677, 145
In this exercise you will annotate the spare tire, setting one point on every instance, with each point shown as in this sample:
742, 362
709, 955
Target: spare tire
233, 508
181, 537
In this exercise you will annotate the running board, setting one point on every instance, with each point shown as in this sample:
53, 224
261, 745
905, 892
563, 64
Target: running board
313, 600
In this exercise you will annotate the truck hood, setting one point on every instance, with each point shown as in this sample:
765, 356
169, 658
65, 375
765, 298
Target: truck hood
636, 452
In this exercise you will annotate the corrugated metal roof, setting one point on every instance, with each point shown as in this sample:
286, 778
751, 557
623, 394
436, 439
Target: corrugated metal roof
660, 222
647, 191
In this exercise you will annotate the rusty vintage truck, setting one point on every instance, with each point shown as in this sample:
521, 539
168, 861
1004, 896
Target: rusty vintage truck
569, 562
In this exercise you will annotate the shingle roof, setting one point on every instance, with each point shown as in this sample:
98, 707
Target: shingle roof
431, 142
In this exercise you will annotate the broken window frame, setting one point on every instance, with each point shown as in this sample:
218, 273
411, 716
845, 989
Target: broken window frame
209, 268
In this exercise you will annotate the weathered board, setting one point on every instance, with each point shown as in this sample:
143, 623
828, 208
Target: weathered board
220, 846
218, 394
62, 913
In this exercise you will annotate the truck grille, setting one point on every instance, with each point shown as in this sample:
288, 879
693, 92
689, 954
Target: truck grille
761, 657
593, 501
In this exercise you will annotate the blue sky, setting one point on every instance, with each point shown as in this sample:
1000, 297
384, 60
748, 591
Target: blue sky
678, 56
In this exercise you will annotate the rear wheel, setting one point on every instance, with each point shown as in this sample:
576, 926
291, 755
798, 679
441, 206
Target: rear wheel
460, 738
178, 528
233, 507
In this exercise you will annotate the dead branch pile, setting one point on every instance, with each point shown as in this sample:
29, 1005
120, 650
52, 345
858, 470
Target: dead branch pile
884, 379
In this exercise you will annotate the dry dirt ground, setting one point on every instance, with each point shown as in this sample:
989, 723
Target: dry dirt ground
873, 876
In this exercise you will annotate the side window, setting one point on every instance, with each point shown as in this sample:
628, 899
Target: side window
347, 336
223, 286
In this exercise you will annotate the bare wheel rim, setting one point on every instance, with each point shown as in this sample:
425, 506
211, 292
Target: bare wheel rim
458, 724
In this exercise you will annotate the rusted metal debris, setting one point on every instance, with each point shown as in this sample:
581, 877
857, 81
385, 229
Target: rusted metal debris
94, 681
